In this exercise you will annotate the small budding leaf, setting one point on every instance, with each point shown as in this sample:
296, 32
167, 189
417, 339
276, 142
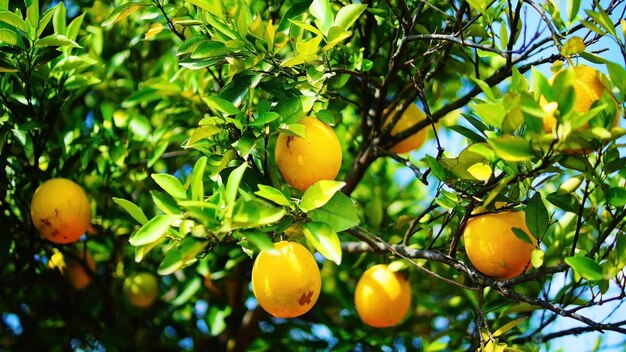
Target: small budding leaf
536, 258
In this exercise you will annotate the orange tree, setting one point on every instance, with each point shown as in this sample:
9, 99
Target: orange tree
168, 112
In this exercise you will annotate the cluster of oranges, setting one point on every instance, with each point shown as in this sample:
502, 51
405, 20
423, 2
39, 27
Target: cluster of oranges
287, 281
61, 212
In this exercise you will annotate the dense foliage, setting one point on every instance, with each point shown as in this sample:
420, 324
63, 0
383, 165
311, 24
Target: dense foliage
167, 113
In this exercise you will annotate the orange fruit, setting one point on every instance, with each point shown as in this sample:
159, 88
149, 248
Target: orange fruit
588, 88
492, 246
60, 210
141, 289
286, 284
74, 268
411, 116
304, 161
382, 297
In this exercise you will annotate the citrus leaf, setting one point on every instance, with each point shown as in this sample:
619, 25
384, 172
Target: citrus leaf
197, 179
573, 46
271, 193
122, 12
616, 196
585, 267
522, 235
508, 326
153, 230
222, 105
348, 14
57, 40
14, 20
339, 212
8, 36
182, 255
255, 212
537, 217
171, 185
232, 186
536, 258
189, 291
132, 209
324, 239
323, 13
319, 194
261, 240
511, 148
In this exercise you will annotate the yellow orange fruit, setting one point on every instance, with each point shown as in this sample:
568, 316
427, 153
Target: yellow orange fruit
411, 116
382, 297
492, 246
588, 88
286, 284
141, 289
304, 161
60, 210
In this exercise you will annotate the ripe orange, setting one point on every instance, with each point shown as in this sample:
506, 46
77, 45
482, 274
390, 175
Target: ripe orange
74, 268
382, 297
304, 161
286, 284
411, 116
60, 210
141, 289
588, 88
492, 246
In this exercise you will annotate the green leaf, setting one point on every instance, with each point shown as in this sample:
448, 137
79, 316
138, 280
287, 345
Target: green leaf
537, 217
32, 14
132, 209
573, 46
508, 326
14, 20
293, 109
319, 194
232, 186
208, 49
485, 88
74, 27
566, 202
348, 14
189, 291
602, 19
57, 40
340, 213
511, 148
8, 36
616, 196
323, 13
620, 250
213, 7
181, 255
271, 193
222, 105
335, 36
585, 267
324, 239
618, 75
522, 235
197, 179
122, 12
265, 118
165, 202
171, 185
153, 230
59, 19
437, 169
570, 185
261, 240
255, 212
44, 20
572, 9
